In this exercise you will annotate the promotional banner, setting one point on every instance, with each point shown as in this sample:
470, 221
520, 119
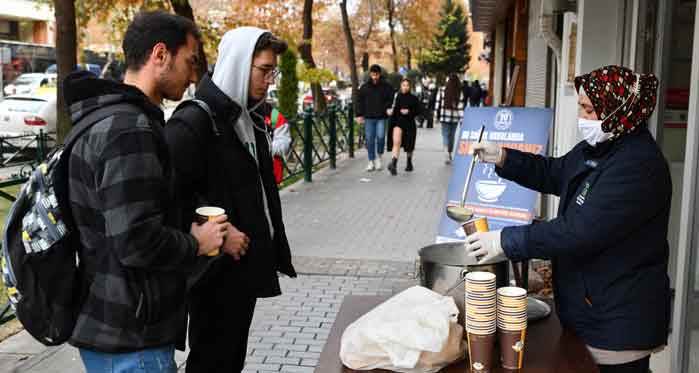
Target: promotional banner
503, 202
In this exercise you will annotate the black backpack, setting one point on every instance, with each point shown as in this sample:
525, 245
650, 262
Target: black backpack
40, 244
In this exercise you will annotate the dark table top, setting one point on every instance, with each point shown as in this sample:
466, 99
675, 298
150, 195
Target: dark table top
549, 348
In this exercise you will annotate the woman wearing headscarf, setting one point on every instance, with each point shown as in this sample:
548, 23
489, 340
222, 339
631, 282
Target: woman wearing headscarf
450, 110
402, 131
608, 244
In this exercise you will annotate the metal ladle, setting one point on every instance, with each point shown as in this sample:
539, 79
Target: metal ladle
460, 213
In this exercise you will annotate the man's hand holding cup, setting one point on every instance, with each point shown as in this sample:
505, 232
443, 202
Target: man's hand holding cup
209, 229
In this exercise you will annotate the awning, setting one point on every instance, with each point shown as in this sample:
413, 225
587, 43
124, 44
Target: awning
20, 10
486, 13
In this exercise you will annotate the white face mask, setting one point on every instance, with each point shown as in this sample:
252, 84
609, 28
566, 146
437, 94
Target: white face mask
591, 131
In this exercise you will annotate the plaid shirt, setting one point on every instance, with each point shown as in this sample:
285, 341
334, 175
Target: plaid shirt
449, 115
121, 197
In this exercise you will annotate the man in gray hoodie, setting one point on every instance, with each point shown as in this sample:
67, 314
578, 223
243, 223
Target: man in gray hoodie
229, 165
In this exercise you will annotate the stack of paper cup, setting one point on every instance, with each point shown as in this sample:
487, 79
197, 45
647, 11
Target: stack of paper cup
481, 319
512, 325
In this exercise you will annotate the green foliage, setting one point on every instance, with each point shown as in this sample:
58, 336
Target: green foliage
288, 87
315, 75
450, 51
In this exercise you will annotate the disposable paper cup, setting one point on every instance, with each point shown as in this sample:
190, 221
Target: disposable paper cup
476, 225
511, 348
206, 213
480, 350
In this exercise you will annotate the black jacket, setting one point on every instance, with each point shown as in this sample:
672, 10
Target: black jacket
609, 242
221, 172
121, 191
405, 121
374, 99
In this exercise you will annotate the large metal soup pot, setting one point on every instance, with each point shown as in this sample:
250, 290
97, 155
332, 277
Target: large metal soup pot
443, 265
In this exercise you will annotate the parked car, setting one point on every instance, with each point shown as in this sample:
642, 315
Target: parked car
25, 115
330, 98
27, 84
91, 67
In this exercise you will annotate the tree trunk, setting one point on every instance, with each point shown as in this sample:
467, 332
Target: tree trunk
365, 38
66, 59
391, 7
350, 52
184, 9
408, 58
306, 52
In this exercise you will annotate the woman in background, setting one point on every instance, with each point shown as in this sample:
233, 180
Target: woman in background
450, 110
402, 130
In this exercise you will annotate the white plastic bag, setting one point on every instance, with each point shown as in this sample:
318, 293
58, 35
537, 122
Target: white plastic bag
416, 331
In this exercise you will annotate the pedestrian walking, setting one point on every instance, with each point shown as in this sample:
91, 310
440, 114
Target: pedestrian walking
476, 94
450, 110
402, 129
375, 98
431, 105
466, 92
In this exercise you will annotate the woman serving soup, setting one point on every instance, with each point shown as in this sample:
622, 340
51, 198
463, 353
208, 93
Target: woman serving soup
608, 244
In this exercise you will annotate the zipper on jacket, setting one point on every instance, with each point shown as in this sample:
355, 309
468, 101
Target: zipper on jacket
139, 307
147, 301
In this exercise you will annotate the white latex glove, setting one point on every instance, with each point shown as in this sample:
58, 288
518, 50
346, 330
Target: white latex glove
486, 246
489, 152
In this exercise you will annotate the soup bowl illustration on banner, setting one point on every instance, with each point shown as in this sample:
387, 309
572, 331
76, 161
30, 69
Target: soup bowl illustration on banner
490, 189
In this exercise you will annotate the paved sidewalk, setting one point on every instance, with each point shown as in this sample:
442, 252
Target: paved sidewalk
387, 218
348, 236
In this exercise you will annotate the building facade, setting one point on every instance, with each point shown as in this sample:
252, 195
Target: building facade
539, 46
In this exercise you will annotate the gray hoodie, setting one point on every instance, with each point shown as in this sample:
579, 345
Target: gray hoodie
232, 77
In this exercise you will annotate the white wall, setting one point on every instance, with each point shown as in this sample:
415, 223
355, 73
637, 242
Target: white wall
499, 73
537, 66
599, 30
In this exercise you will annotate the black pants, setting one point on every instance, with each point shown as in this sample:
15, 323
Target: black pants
430, 119
638, 366
219, 323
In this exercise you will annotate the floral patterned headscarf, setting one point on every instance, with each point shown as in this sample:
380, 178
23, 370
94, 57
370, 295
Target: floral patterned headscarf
622, 99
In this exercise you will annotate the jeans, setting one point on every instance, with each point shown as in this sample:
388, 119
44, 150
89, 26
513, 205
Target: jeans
375, 130
448, 134
154, 360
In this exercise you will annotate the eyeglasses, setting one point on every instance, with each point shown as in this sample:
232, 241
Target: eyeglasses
271, 74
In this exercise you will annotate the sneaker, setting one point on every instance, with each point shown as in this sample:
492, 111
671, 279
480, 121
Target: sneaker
377, 163
370, 166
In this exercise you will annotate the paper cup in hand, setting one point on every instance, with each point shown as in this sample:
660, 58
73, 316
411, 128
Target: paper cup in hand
207, 213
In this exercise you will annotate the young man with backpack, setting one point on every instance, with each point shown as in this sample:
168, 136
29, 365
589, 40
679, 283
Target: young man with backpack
134, 261
230, 165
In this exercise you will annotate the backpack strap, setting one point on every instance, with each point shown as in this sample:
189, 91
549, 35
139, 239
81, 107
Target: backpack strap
95, 117
204, 107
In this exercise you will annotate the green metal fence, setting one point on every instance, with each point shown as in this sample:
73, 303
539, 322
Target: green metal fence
317, 138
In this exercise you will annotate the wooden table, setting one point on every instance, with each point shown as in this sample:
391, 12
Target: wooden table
549, 349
